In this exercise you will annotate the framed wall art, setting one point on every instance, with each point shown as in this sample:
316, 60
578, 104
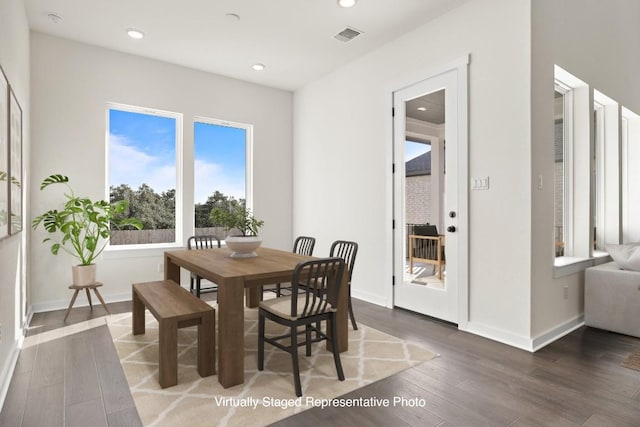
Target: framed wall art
4, 155
15, 164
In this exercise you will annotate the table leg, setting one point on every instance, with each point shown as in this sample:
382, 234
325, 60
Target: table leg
168, 353
231, 332
137, 313
171, 270
253, 296
206, 344
342, 316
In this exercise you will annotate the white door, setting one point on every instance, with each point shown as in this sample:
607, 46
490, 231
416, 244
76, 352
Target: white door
421, 290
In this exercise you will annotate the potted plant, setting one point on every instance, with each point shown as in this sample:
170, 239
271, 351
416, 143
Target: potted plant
242, 230
83, 227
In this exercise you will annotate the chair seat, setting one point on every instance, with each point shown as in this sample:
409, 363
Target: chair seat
281, 307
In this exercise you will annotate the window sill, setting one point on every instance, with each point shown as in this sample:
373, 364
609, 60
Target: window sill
139, 251
566, 266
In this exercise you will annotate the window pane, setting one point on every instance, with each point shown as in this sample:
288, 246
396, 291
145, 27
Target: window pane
142, 170
220, 169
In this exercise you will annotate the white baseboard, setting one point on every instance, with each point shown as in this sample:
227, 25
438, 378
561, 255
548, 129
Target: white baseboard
556, 333
8, 369
522, 342
80, 302
495, 334
369, 297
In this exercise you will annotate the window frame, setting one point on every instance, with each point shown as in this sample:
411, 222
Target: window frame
248, 165
179, 195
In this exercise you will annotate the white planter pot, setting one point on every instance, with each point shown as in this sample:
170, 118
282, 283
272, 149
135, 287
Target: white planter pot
243, 246
84, 274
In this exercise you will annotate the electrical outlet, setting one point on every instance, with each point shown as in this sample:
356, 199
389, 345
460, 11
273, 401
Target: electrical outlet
566, 292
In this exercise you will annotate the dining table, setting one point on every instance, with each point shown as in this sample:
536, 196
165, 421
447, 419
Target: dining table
238, 278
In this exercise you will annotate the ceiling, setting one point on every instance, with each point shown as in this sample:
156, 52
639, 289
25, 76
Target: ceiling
433, 105
292, 38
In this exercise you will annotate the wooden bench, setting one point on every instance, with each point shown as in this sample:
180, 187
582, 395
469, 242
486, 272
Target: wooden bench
174, 308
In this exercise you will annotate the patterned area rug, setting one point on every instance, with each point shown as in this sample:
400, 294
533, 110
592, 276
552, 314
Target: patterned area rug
266, 396
633, 361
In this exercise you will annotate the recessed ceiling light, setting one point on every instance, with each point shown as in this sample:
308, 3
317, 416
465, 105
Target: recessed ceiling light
258, 67
135, 34
346, 3
422, 108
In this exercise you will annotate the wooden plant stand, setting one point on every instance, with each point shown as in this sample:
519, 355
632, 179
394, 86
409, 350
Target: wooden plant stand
78, 288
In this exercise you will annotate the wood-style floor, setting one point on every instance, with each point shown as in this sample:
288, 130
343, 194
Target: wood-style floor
576, 381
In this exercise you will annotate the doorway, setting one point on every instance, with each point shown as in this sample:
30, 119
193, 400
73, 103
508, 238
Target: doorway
430, 197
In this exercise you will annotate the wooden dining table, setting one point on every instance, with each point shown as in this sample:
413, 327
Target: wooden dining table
236, 277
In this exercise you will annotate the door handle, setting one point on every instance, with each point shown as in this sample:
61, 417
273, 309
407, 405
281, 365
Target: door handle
451, 229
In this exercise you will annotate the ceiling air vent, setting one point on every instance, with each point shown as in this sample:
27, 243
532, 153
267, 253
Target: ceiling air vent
347, 34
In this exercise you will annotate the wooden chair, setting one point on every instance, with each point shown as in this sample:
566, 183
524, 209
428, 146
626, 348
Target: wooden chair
347, 251
427, 246
303, 245
201, 242
307, 304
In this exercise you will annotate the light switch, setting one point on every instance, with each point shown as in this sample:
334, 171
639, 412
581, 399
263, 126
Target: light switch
480, 183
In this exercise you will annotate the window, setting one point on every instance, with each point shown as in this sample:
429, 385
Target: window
561, 136
573, 158
606, 177
222, 156
144, 150
630, 176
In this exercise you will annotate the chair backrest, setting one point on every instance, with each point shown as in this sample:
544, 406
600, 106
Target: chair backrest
425, 230
347, 251
303, 245
319, 282
203, 242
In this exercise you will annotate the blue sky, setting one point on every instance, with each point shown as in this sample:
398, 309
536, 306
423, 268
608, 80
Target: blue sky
141, 150
414, 149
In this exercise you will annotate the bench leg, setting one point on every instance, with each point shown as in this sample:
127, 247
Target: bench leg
137, 314
207, 344
168, 353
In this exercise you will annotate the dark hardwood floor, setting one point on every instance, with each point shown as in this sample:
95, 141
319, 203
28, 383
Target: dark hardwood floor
576, 381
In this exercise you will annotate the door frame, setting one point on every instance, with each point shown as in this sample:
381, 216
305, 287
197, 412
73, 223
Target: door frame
460, 66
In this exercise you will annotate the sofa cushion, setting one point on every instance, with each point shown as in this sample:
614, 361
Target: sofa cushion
627, 256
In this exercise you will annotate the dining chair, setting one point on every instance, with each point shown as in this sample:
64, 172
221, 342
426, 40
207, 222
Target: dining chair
307, 304
201, 242
347, 251
303, 245
427, 246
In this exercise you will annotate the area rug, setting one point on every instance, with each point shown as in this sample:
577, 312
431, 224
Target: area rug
266, 396
633, 361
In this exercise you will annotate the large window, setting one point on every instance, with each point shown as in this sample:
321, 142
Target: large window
573, 221
143, 148
222, 156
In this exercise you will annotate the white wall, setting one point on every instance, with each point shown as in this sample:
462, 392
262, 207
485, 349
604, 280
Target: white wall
594, 41
71, 84
14, 58
342, 157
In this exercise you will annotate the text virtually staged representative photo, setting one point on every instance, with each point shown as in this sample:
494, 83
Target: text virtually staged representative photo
364, 212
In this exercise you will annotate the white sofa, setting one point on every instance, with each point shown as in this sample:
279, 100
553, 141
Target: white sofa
612, 299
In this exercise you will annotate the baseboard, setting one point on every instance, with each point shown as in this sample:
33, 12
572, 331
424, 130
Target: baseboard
8, 369
80, 302
369, 297
556, 333
523, 342
495, 334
